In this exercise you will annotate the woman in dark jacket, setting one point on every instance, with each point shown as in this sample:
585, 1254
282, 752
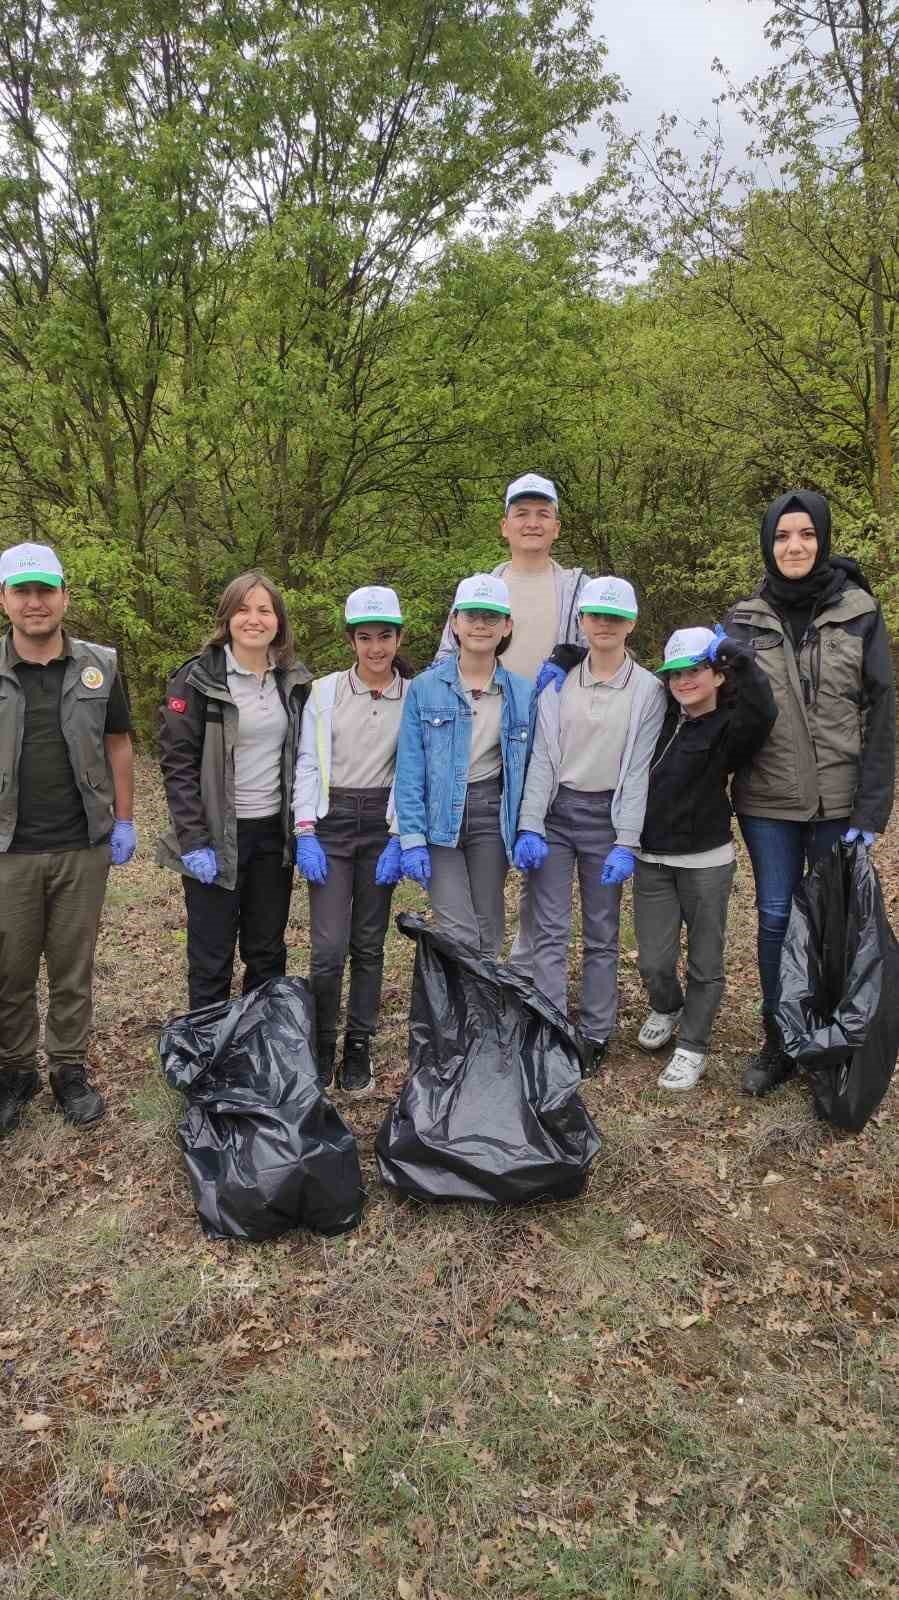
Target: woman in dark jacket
720, 710
228, 741
827, 769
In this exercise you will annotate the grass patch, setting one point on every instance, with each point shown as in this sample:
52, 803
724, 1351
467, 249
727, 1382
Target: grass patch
271, 1437
77, 1566
685, 1383
132, 1463
162, 1306
154, 1105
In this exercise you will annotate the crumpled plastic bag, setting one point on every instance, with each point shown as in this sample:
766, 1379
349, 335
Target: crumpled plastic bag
264, 1148
491, 1109
839, 987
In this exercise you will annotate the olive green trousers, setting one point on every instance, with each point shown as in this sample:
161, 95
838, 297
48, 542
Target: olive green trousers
50, 906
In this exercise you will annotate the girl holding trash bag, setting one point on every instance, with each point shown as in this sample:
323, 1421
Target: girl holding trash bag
827, 769
720, 711
463, 750
344, 811
584, 799
229, 731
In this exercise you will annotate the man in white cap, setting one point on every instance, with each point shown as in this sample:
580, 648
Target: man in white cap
65, 815
544, 599
543, 595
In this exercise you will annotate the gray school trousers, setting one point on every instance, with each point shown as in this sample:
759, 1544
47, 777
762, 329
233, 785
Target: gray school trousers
468, 880
665, 898
349, 914
579, 833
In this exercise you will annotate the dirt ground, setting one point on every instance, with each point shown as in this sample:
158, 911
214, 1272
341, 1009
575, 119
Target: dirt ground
685, 1383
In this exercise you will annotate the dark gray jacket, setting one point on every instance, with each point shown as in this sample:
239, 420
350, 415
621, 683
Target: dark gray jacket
197, 738
82, 721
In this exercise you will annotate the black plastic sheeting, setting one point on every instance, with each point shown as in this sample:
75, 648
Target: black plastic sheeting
491, 1109
839, 987
264, 1148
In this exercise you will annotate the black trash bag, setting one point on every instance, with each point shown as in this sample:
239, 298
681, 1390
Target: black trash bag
491, 1109
265, 1150
839, 987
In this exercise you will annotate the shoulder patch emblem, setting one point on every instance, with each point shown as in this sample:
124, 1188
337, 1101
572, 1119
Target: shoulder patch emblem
92, 678
176, 704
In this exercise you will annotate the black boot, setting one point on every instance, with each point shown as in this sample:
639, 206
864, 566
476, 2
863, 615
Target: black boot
16, 1089
78, 1101
593, 1056
324, 1061
356, 1076
770, 1066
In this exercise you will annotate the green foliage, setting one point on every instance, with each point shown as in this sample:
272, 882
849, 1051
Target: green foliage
266, 298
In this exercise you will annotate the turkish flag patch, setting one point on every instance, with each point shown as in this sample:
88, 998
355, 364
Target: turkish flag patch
175, 704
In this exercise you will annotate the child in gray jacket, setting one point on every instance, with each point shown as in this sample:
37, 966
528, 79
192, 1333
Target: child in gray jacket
583, 805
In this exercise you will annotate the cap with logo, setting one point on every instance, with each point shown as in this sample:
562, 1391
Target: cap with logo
373, 604
531, 486
688, 647
613, 597
483, 592
31, 563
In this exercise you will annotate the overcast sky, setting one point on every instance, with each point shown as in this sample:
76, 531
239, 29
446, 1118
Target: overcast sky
662, 50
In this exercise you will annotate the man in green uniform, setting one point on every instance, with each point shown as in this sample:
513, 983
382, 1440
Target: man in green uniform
66, 796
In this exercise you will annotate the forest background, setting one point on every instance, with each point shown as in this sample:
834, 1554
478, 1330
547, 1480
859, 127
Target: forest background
275, 289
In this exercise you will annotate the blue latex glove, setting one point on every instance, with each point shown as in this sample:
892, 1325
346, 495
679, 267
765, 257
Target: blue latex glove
550, 674
202, 864
531, 850
719, 640
619, 865
416, 864
311, 859
859, 833
390, 863
122, 843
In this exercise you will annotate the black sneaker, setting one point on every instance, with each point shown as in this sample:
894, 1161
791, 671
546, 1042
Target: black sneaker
769, 1067
593, 1056
16, 1089
356, 1076
324, 1061
79, 1103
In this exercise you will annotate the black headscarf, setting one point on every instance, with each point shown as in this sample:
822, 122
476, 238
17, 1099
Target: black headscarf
797, 599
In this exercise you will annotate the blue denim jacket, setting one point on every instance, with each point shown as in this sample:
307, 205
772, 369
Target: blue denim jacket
432, 756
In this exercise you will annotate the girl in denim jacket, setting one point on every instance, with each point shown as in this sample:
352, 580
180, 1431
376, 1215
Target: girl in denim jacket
464, 742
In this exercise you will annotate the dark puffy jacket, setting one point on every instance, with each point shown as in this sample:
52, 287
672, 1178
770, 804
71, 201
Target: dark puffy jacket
688, 808
832, 751
198, 723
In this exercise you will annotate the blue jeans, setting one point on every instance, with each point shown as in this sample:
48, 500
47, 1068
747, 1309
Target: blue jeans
780, 853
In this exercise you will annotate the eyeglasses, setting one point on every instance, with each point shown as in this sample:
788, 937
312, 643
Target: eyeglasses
491, 618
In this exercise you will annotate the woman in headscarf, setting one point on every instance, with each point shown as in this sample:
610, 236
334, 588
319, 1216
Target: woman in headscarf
827, 769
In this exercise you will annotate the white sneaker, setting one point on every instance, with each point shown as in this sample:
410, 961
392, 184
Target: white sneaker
683, 1071
658, 1028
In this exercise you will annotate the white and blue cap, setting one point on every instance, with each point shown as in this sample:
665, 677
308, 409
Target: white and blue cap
688, 647
613, 597
373, 604
531, 486
31, 563
483, 592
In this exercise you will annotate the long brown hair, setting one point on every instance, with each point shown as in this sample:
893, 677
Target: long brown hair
282, 646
